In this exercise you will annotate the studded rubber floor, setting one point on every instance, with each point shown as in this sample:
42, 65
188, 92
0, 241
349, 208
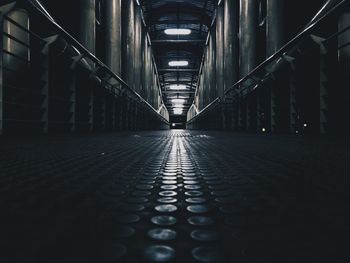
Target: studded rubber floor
173, 196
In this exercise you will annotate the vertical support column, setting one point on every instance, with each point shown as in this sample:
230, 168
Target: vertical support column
274, 26
344, 62
220, 51
113, 40
137, 49
1, 76
248, 42
87, 37
128, 36
113, 35
149, 74
211, 93
230, 43
231, 52
248, 35
274, 41
87, 25
144, 49
220, 65
44, 77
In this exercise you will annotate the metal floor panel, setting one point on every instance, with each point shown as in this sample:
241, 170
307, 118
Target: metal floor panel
173, 196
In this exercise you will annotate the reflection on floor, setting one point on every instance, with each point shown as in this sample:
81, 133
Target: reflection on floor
173, 196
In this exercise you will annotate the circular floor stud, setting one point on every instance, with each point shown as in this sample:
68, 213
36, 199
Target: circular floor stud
169, 177
200, 221
204, 235
163, 220
166, 208
169, 182
194, 193
159, 253
196, 200
206, 254
167, 193
167, 200
197, 209
162, 234
169, 174
192, 187
169, 171
168, 187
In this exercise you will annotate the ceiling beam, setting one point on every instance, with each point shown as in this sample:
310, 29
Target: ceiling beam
177, 41
178, 92
177, 70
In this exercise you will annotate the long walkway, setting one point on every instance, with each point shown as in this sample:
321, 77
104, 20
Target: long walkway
173, 196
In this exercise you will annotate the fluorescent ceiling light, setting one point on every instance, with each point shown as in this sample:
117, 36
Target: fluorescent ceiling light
178, 111
177, 87
180, 63
177, 31
178, 106
178, 100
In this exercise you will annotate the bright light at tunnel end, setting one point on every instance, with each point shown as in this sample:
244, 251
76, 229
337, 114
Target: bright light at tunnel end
177, 31
181, 63
178, 111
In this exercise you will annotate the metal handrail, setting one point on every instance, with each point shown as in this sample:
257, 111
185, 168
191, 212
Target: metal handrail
283, 50
86, 53
203, 111
291, 44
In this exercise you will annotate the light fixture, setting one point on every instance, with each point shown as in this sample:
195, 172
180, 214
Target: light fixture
180, 63
178, 106
177, 87
178, 100
178, 111
173, 124
177, 31
263, 129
